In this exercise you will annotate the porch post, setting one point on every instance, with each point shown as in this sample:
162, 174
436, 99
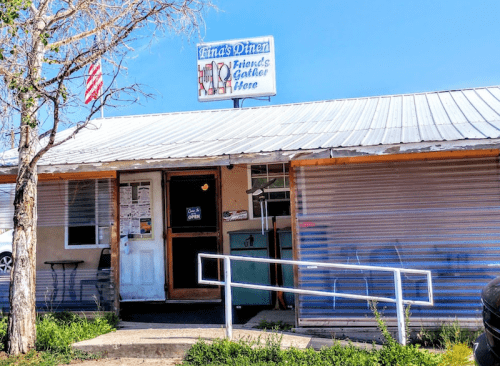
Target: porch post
115, 244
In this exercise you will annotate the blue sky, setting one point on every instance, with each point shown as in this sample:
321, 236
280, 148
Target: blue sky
334, 49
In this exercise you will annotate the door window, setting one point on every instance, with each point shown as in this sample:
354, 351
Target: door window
193, 206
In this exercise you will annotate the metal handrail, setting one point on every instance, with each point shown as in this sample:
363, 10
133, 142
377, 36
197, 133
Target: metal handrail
399, 301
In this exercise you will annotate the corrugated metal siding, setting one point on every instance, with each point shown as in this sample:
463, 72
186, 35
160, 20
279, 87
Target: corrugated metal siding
77, 293
438, 215
7, 192
76, 203
63, 202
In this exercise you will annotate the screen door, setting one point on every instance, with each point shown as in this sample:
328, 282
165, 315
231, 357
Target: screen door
193, 227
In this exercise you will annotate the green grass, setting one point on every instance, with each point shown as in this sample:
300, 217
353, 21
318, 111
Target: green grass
277, 326
222, 352
448, 334
55, 334
243, 353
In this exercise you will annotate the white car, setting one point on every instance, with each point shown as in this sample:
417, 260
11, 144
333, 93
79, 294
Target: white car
6, 251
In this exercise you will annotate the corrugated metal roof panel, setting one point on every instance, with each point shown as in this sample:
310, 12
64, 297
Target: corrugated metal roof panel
363, 124
410, 131
466, 106
384, 120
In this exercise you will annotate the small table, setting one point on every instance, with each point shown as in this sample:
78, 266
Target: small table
64, 263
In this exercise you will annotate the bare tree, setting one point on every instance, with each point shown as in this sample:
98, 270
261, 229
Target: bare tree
45, 46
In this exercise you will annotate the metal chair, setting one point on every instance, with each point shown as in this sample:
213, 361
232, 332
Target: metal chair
352, 270
409, 278
103, 276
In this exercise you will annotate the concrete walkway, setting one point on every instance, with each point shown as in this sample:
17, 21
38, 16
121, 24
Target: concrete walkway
161, 340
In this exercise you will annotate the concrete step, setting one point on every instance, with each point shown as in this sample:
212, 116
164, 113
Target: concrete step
172, 342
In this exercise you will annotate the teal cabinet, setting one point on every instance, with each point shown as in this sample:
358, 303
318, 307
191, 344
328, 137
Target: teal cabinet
286, 252
250, 243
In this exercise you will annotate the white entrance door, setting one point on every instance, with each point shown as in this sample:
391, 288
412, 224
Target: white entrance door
142, 259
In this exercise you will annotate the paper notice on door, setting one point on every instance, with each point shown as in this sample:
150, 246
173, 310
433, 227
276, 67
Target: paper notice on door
145, 226
124, 226
135, 226
144, 211
143, 195
126, 195
125, 211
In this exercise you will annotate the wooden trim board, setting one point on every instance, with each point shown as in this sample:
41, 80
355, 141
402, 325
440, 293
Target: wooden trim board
438, 155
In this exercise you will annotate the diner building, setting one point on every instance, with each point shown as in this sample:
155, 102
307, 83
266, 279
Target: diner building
406, 181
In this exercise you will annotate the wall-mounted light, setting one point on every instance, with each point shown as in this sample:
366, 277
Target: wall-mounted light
230, 166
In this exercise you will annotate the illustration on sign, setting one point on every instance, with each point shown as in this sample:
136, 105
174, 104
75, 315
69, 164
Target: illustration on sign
236, 69
193, 213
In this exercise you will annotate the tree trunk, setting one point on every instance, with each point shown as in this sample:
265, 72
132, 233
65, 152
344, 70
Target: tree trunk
21, 331
22, 316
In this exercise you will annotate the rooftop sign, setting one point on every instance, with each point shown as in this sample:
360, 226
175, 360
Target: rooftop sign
239, 68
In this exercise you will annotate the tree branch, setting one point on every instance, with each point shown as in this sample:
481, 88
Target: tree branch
97, 54
86, 34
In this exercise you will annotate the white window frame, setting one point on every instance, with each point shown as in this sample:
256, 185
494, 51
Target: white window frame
66, 226
249, 184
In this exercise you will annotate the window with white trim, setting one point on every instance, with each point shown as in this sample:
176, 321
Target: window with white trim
84, 208
277, 195
89, 213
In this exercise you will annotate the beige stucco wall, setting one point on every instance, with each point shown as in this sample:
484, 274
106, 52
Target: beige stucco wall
51, 247
234, 183
234, 197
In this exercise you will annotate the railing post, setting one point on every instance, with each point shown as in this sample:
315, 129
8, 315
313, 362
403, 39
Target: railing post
228, 299
399, 307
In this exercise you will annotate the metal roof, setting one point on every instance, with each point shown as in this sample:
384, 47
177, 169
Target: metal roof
384, 120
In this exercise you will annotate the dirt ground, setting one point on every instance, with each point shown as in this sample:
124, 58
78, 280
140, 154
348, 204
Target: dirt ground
130, 362
120, 361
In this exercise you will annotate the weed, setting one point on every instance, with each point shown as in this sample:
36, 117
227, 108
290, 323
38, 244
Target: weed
3, 332
381, 324
276, 326
393, 353
55, 334
407, 320
112, 319
48, 297
225, 352
458, 354
448, 334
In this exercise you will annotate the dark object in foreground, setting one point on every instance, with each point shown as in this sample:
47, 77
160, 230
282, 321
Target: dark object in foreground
487, 346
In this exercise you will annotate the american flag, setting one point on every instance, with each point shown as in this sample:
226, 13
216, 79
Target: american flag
94, 82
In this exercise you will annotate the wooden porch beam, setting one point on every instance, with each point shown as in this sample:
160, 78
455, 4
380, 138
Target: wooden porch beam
63, 176
437, 155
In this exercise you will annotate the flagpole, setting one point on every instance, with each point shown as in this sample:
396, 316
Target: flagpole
102, 88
